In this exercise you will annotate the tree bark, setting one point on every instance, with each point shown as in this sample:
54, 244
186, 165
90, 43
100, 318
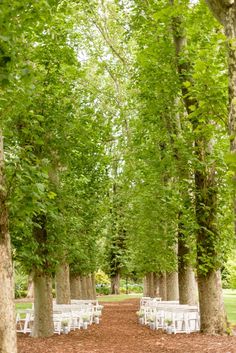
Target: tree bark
7, 307
75, 286
187, 286
156, 284
63, 284
186, 277
84, 287
115, 283
43, 321
94, 285
213, 317
162, 286
89, 286
43, 305
172, 286
145, 287
30, 289
151, 290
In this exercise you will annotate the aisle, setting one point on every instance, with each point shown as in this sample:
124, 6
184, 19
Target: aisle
119, 332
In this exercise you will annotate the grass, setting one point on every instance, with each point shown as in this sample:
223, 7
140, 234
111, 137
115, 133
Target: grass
230, 304
22, 306
118, 298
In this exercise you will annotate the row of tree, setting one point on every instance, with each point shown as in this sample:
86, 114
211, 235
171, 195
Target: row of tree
114, 117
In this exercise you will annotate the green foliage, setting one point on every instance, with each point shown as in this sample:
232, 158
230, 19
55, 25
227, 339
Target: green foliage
229, 273
21, 281
102, 278
100, 153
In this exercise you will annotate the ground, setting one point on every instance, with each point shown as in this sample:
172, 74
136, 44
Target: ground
119, 332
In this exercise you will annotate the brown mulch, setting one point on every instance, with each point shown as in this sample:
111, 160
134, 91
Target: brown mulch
119, 332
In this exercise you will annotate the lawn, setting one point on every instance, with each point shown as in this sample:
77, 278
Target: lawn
230, 304
118, 298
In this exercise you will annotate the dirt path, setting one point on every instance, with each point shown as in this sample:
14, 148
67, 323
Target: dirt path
119, 332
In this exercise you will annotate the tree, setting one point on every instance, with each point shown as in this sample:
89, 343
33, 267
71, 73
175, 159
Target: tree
225, 12
206, 189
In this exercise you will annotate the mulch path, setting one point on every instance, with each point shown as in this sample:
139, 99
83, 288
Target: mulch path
119, 332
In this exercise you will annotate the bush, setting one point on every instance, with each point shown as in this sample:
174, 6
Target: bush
132, 288
20, 293
21, 283
229, 274
102, 278
102, 289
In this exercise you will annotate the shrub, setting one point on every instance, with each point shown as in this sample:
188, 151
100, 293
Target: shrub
102, 289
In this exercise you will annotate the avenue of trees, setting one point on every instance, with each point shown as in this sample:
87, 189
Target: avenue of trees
117, 151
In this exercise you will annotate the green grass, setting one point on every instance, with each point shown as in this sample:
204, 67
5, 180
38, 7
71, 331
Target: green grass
22, 306
230, 304
117, 298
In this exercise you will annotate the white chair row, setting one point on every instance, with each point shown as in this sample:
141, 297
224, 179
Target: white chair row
66, 317
170, 316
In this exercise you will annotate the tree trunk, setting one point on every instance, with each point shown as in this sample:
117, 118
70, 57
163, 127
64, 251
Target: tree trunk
213, 317
94, 285
156, 284
84, 287
162, 286
151, 291
148, 285
230, 30
187, 283
187, 286
75, 287
43, 307
7, 307
207, 264
63, 284
89, 286
145, 287
172, 286
115, 283
30, 289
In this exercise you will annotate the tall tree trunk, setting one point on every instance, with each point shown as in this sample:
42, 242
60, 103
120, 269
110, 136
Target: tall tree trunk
115, 283
156, 284
84, 287
151, 292
162, 286
63, 284
75, 286
43, 307
7, 307
30, 288
43, 321
89, 286
213, 317
187, 286
172, 286
186, 277
94, 285
230, 29
145, 287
